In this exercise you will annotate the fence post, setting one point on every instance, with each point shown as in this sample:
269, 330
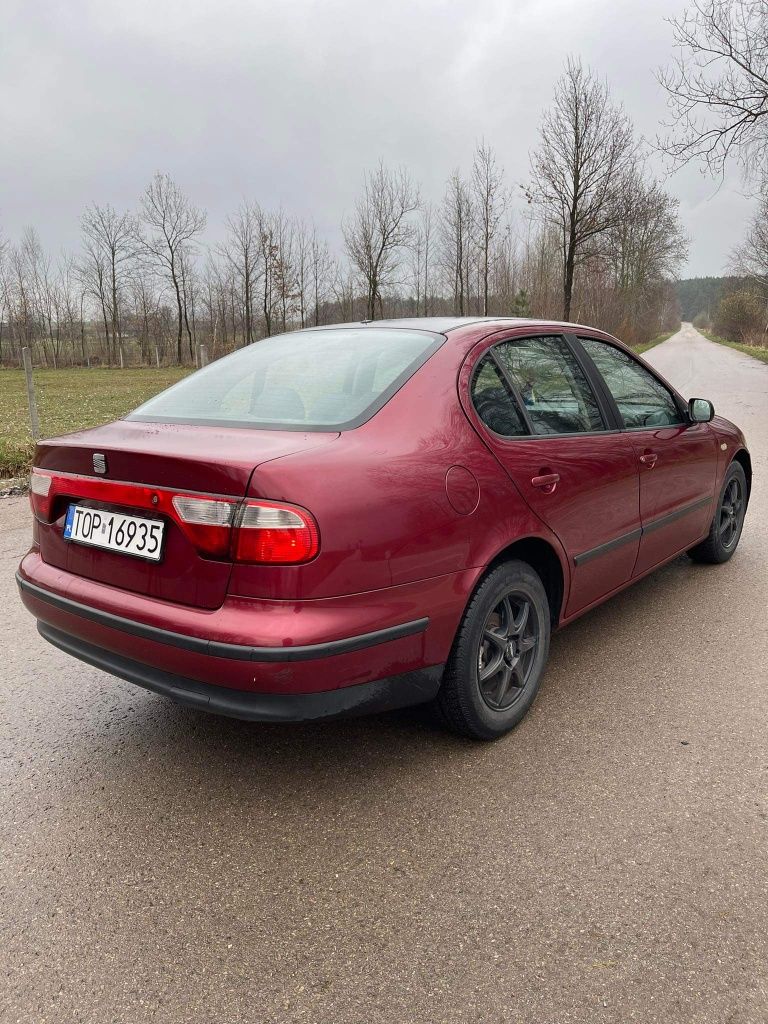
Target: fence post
203, 355
157, 356
34, 422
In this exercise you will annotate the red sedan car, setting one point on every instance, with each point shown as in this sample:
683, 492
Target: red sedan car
367, 516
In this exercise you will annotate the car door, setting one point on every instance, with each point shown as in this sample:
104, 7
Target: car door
554, 435
677, 459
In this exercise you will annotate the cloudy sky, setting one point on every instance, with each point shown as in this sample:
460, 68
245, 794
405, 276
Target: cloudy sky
287, 102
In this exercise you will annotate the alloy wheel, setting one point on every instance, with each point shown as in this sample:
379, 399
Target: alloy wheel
730, 513
507, 651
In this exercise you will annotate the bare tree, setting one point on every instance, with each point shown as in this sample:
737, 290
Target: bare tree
750, 259
269, 256
142, 289
284, 266
110, 241
19, 298
504, 281
718, 84
415, 267
70, 305
169, 224
41, 292
646, 242
188, 277
456, 223
242, 253
323, 270
380, 230
586, 143
343, 287
489, 201
94, 276
627, 289
427, 233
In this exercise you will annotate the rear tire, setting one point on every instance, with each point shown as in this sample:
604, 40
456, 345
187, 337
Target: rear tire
727, 522
493, 672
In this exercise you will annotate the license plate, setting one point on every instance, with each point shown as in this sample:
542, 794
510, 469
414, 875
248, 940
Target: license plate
130, 535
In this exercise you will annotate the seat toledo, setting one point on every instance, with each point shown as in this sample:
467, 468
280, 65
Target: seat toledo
367, 516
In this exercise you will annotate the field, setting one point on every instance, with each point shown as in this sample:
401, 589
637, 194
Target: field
69, 400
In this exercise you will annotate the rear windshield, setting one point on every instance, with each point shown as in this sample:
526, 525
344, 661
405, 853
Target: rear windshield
310, 380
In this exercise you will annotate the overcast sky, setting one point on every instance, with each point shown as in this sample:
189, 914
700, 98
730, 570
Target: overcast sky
288, 102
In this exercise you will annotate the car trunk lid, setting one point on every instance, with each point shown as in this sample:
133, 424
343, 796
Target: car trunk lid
154, 461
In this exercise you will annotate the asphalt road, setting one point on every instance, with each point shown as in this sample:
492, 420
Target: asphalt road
608, 861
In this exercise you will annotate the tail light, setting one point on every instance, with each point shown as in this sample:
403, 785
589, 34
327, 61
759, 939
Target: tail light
265, 532
275, 534
207, 522
40, 493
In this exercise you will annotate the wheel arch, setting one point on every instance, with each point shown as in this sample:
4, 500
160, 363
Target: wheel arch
743, 458
545, 560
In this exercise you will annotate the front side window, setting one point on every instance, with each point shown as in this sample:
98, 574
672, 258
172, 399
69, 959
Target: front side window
643, 400
310, 380
553, 388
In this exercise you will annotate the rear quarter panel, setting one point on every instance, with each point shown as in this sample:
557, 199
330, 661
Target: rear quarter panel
379, 496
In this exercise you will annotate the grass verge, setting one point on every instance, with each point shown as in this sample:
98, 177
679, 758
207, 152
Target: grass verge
750, 350
644, 346
67, 400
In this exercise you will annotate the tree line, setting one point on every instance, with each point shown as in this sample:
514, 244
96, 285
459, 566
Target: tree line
592, 235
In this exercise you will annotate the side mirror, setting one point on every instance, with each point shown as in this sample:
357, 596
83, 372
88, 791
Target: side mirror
700, 410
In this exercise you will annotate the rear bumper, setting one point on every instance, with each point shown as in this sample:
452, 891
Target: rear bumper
220, 648
256, 649
363, 699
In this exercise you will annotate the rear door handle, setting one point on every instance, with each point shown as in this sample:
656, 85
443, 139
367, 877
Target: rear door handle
547, 482
649, 459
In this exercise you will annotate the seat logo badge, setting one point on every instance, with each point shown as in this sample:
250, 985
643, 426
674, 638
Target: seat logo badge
99, 463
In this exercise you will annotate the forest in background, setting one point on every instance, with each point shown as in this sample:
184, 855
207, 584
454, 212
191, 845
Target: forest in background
734, 308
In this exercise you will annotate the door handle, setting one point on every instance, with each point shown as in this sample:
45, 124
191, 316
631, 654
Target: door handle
649, 459
547, 482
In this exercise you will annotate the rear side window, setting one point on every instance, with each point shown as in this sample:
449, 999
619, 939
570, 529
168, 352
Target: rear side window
554, 390
310, 380
643, 400
493, 400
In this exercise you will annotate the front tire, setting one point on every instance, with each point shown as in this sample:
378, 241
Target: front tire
727, 522
493, 673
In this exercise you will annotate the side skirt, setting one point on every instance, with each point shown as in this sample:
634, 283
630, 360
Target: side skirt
626, 585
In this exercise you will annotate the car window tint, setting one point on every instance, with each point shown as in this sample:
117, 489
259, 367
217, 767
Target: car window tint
493, 400
643, 400
552, 385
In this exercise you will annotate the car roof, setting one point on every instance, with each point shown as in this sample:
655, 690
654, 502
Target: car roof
446, 324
